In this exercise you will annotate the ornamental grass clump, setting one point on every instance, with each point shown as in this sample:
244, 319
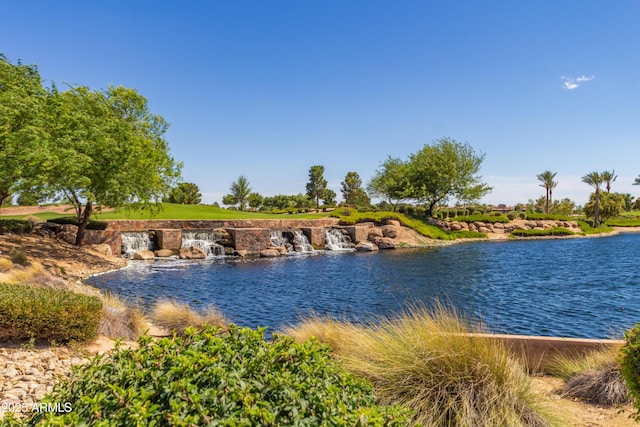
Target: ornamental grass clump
120, 320
176, 316
429, 362
218, 378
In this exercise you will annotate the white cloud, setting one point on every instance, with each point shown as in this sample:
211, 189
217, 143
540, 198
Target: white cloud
571, 83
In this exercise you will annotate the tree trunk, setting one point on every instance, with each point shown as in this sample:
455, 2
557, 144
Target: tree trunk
596, 222
83, 221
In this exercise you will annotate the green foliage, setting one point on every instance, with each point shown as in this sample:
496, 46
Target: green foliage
512, 215
587, 228
444, 170
329, 197
17, 226
352, 191
22, 102
535, 216
547, 182
255, 200
610, 205
185, 193
225, 379
47, 314
391, 182
109, 151
555, 231
92, 225
317, 185
630, 365
484, 218
522, 215
623, 222
239, 194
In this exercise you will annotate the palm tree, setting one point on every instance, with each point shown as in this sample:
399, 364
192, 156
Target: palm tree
608, 178
595, 180
546, 178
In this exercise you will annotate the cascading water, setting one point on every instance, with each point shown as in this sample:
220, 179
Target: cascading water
204, 240
293, 241
336, 240
300, 242
133, 242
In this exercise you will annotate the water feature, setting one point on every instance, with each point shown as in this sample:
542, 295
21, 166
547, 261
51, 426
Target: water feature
336, 240
575, 287
292, 240
133, 242
205, 240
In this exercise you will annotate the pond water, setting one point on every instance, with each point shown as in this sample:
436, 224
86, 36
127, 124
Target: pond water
574, 287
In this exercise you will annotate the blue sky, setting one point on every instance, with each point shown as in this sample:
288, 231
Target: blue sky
269, 88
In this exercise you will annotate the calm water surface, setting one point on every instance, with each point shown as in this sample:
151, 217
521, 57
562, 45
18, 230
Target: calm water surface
574, 287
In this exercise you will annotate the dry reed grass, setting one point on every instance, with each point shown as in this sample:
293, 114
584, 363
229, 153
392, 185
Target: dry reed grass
565, 367
176, 317
427, 360
120, 320
604, 387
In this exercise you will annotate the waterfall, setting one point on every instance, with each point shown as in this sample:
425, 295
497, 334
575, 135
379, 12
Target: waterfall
336, 240
133, 242
277, 240
293, 241
300, 242
204, 240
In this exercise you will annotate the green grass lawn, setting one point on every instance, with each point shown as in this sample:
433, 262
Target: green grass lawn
172, 211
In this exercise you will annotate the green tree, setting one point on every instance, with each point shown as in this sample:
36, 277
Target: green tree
594, 179
110, 150
329, 197
446, 170
609, 206
317, 185
185, 193
255, 200
352, 191
392, 182
563, 207
608, 178
22, 152
239, 195
547, 182
29, 198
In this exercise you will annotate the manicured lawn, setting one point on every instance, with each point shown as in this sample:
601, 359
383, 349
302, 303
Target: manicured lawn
172, 211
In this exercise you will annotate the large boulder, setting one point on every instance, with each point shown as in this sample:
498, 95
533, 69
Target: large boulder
392, 222
270, 253
385, 243
390, 231
366, 247
143, 255
102, 248
374, 233
192, 252
164, 253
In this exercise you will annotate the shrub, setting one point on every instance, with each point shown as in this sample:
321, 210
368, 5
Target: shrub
476, 213
512, 215
47, 314
16, 226
18, 257
522, 215
429, 363
603, 387
569, 366
177, 317
555, 231
630, 365
93, 225
211, 378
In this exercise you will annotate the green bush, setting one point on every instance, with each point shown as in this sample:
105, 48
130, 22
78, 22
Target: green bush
555, 231
512, 215
17, 226
522, 215
223, 379
46, 314
484, 218
630, 365
93, 225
